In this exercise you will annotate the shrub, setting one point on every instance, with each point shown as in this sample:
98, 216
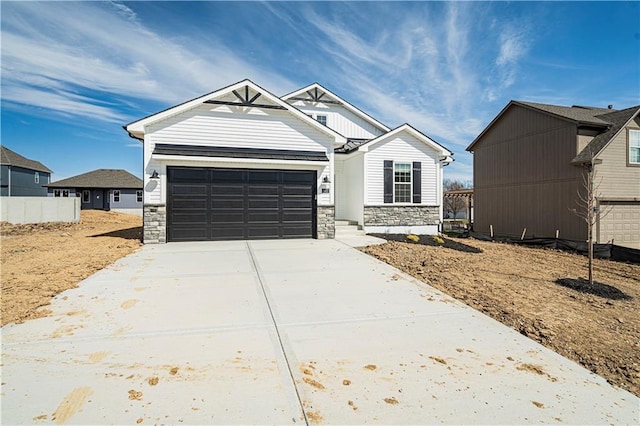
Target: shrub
438, 240
413, 238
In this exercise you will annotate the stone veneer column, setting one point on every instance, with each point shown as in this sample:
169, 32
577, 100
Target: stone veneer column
155, 224
326, 220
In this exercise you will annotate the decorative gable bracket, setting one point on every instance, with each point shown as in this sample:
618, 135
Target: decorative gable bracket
245, 101
316, 96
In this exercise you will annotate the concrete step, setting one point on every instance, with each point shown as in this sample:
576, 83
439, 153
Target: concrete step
343, 222
348, 231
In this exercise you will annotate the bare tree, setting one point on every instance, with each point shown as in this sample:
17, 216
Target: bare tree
452, 204
588, 209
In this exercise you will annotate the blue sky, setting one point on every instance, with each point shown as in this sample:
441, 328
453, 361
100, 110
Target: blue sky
74, 72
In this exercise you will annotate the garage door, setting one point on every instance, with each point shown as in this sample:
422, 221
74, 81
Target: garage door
205, 204
621, 223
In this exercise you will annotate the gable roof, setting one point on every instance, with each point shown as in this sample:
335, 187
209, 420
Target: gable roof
617, 121
11, 158
315, 93
609, 121
366, 146
101, 178
136, 129
579, 115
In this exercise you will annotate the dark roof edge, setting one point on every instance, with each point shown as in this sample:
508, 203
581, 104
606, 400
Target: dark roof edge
530, 107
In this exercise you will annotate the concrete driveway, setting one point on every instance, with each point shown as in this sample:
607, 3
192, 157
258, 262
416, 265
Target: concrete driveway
286, 332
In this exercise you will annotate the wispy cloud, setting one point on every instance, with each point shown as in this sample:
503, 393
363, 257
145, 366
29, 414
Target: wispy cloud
96, 49
419, 70
513, 46
417, 64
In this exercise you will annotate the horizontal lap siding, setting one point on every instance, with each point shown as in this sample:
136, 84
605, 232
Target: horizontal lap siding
407, 149
618, 179
232, 127
342, 120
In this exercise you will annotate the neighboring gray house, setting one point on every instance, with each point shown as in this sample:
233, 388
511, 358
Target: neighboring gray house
22, 177
529, 163
103, 189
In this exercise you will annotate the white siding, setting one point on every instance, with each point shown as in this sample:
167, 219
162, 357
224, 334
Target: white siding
341, 120
236, 127
233, 127
402, 148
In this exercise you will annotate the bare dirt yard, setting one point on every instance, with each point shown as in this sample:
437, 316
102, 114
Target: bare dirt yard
40, 261
540, 293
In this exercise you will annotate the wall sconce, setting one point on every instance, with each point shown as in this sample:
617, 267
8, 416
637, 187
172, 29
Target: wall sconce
325, 179
155, 175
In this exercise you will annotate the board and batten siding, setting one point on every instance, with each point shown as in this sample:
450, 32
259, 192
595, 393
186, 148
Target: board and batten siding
403, 148
341, 120
618, 179
523, 176
224, 126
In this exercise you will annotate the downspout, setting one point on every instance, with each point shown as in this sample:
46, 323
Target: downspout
9, 192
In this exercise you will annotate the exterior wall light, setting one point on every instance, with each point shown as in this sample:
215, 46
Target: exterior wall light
155, 175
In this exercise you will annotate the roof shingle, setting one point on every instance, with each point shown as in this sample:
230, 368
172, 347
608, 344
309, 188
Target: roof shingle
581, 114
616, 120
101, 178
11, 158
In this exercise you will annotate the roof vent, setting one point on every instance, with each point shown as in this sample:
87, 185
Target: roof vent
610, 106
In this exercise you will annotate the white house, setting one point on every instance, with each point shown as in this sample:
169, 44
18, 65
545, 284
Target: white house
242, 163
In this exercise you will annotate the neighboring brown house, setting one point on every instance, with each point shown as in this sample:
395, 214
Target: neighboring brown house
103, 189
528, 167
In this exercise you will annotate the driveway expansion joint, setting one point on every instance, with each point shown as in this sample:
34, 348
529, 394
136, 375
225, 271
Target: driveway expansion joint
277, 330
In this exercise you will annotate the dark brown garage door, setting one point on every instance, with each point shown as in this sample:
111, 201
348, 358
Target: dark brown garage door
205, 204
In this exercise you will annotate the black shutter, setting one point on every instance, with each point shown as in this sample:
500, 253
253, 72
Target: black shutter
388, 181
417, 187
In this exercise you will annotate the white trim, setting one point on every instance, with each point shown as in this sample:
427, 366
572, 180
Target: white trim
262, 161
344, 103
410, 183
138, 128
629, 146
413, 132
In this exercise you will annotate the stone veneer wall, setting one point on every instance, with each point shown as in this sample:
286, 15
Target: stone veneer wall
401, 215
155, 223
326, 220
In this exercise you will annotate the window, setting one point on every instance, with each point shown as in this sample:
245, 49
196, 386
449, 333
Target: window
65, 192
402, 182
86, 196
116, 195
56, 192
322, 119
139, 196
634, 146
36, 177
